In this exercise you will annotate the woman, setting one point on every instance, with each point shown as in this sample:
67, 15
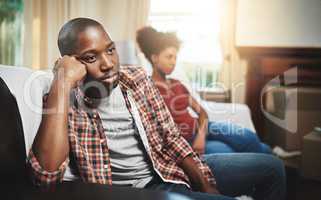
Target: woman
205, 136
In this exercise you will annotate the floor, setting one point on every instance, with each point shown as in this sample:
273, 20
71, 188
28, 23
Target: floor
299, 188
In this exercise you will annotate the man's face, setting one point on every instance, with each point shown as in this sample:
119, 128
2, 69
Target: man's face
97, 51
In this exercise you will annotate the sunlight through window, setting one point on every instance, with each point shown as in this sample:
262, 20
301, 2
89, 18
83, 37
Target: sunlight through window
197, 24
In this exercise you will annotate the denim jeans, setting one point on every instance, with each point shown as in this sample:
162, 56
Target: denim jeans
158, 184
261, 176
223, 137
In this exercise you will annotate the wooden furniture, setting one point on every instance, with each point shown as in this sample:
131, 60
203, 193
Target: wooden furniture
217, 96
269, 65
311, 156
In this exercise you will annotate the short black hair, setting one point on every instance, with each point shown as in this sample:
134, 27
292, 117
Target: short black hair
68, 34
151, 41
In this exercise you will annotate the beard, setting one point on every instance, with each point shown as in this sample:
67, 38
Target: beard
97, 89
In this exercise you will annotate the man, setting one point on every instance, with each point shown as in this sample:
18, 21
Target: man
110, 124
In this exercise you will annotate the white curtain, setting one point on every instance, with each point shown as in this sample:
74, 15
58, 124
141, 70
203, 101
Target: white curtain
233, 71
123, 17
44, 18
42, 21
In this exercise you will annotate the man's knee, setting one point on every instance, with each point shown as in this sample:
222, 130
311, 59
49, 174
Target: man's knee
273, 166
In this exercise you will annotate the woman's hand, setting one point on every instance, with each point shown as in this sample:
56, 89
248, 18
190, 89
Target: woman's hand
199, 143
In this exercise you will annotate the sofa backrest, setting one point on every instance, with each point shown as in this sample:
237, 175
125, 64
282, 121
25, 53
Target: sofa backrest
21, 91
27, 87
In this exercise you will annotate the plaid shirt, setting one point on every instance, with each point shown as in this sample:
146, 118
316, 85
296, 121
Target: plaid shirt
88, 143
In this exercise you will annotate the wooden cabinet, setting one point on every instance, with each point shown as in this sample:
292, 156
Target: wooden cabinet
283, 66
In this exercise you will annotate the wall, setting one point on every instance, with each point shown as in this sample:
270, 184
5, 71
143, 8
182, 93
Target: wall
279, 23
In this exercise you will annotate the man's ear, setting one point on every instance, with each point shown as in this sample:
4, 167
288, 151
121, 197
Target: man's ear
154, 58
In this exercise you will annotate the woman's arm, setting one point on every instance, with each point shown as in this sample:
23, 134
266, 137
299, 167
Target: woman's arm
199, 142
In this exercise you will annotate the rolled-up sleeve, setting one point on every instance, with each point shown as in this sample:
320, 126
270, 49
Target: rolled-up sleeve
177, 147
41, 177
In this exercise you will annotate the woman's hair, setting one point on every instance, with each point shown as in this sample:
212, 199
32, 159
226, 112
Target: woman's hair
151, 41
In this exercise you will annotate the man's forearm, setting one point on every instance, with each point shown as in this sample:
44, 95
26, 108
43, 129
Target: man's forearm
51, 146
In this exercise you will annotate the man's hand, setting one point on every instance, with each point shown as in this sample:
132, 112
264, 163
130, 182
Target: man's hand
198, 181
207, 188
69, 70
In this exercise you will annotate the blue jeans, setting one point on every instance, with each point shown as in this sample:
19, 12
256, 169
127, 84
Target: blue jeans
225, 137
158, 184
261, 176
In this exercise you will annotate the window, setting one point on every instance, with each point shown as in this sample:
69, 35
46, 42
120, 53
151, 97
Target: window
11, 20
197, 24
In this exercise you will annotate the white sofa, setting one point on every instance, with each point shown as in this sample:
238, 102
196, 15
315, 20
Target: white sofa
29, 86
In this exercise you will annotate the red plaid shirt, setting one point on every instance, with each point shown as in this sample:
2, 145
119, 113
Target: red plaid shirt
88, 143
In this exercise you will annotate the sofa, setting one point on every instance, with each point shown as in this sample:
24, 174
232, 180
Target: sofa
21, 91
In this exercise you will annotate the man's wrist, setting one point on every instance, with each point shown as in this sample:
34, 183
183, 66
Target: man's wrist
64, 86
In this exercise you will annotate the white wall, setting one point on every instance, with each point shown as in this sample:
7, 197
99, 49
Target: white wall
279, 23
